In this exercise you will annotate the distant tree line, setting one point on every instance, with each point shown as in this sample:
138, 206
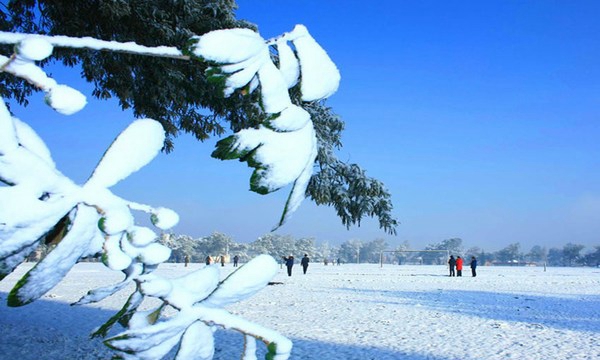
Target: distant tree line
569, 255
358, 251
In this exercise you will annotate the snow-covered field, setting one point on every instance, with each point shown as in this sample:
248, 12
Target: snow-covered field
352, 312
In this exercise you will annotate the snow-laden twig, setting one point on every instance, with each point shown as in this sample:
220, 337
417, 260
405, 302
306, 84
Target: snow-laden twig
61, 98
96, 44
199, 301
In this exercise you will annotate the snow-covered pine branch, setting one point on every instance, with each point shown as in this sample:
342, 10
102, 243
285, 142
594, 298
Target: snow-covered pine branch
284, 148
279, 159
87, 220
91, 44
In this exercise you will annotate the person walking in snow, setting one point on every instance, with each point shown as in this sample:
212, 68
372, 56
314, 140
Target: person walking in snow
459, 266
473, 266
289, 263
236, 259
304, 263
452, 265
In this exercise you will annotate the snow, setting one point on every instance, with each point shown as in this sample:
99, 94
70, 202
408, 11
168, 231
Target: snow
242, 44
30, 140
285, 154
61, 98
244, 61
141, 236
245, 75
275, 97
288, 63
91, 43
8, 139
320, 76
50, 270
279, 159
348, 312
190, 345
115, 258
133, 149
28, 70
292, 118
65, 99
243, 284
34, 187
154, 254
186, 290
34, 48
164, 218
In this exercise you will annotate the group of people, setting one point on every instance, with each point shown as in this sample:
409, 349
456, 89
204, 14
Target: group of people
289, 263
288, 260
210, 260
458, 265
333, 262
455, 264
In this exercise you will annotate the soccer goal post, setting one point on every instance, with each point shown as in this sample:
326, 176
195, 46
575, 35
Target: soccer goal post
415, 252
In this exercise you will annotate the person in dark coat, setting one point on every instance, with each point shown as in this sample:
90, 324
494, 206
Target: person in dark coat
304, 263
289, 263
452, 265
473, 266
236, 259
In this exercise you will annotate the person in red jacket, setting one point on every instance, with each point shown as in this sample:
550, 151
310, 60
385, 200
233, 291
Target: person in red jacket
459, 265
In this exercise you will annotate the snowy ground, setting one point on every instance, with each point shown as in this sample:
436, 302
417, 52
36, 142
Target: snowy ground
352, 312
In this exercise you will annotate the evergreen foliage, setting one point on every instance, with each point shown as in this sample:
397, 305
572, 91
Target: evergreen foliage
168, 90
180, 94
344, 186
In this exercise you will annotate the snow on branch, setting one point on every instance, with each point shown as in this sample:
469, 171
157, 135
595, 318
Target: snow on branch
94, 44
244, 63
284, 148
41, 205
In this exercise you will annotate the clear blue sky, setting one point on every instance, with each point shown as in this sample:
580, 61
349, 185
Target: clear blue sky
481, 117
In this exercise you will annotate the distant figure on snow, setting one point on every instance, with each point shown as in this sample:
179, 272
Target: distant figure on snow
186, 260
222, 260
236, 259
304, 263
473, 266
452, 265
208, 260
459, 266
289, 263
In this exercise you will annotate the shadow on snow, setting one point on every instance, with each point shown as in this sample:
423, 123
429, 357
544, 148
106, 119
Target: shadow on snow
48, 329
316, 350
580, 313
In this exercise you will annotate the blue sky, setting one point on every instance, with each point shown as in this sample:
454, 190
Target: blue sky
481, 117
